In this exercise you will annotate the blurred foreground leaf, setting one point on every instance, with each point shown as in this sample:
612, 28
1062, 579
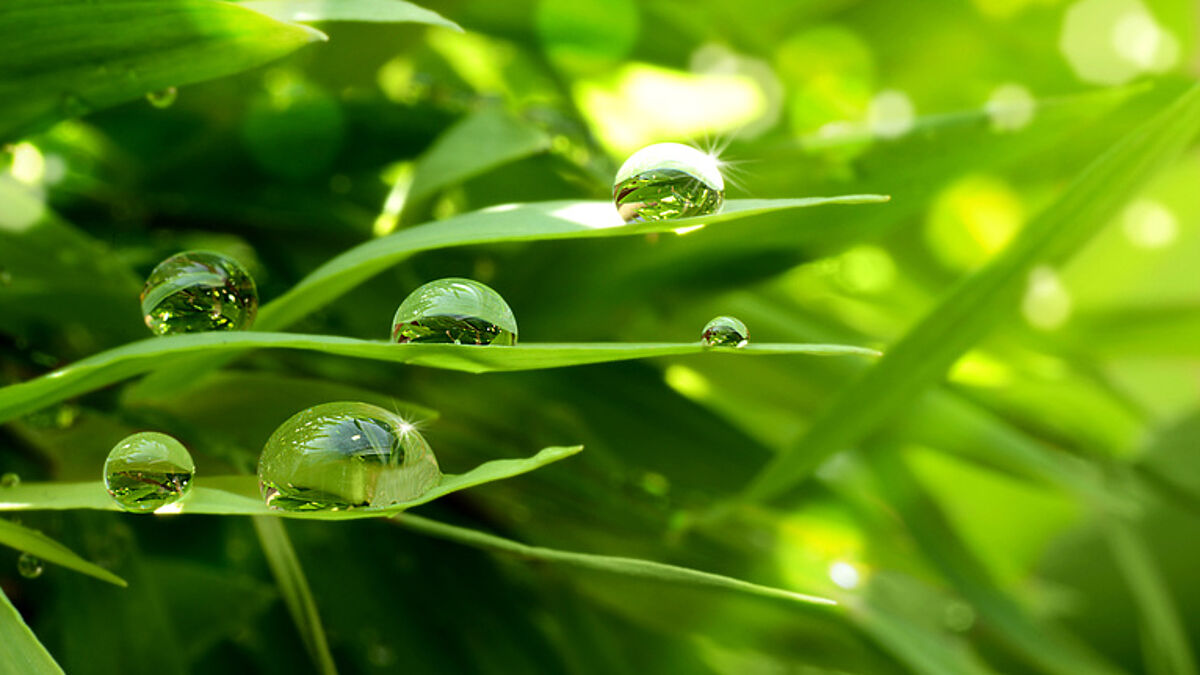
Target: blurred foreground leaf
20, 651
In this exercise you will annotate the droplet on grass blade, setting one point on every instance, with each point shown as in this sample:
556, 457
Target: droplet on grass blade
10, 480
725, 331
198, 291
455, 311
667, 181
30, 566
345, 455
147, 471
163, 98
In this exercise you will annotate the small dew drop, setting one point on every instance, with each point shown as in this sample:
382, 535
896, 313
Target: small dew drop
197, 291
10, 480
163, 98
30, 566
345, 455
455, 311
725, 331
147, 471
667, 181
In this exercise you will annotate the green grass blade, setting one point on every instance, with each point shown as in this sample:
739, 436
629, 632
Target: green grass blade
922, 650
542, 221
482, 141
285, 566
141, 357
239, 495
374, 11
634, 567
971, 309
35, 543
1043, 645
1165, 640
70, 57
20, 650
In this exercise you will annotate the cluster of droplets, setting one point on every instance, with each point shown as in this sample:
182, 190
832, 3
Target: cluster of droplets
197, 291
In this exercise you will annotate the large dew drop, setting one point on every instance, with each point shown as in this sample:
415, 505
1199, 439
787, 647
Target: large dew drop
455, 311
667, 181
725, 331
148, 470
345, 455
198, 291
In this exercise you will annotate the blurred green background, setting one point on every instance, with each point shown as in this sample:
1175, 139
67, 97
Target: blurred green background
949, 547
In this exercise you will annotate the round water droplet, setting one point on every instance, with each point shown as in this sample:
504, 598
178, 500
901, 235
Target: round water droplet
197, 291
725, 331
667, 181
457, 311
10, 480
148, 470
163, 98
345, 455
30, 566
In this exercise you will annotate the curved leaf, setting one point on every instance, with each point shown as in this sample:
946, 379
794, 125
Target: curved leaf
35, 543
239, 495
140, 357
20, 649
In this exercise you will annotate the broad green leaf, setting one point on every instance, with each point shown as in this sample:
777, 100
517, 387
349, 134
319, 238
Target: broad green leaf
35, 543
543, 221
975, 306
482, 141
239, 495
20, 650
67, 58
140, 357
285, 566
376, 11
645, 569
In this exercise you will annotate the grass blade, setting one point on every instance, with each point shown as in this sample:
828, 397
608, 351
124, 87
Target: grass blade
543, 221
285, 566
374, 11
20, 650
1165, 640
140, 357
635, 567
975, 306
70, 57
35, 543
239, 495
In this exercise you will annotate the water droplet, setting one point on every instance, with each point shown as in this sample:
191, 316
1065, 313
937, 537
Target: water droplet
163, 98
667, 181
725, 331
458, 311
345, 455
148, 470
5, 277
10, 480
30, 566
197, 291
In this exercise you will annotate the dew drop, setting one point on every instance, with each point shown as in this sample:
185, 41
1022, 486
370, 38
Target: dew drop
148, 470
455, 311
345, 455
667, 181
30, 566
198, 291
725, 331
10, 480
163, 98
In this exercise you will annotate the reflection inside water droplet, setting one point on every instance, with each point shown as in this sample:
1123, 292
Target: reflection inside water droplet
148, 470
345, 455
197, 291
455, 311
30, 566
725, 331
163, 98
667, 181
